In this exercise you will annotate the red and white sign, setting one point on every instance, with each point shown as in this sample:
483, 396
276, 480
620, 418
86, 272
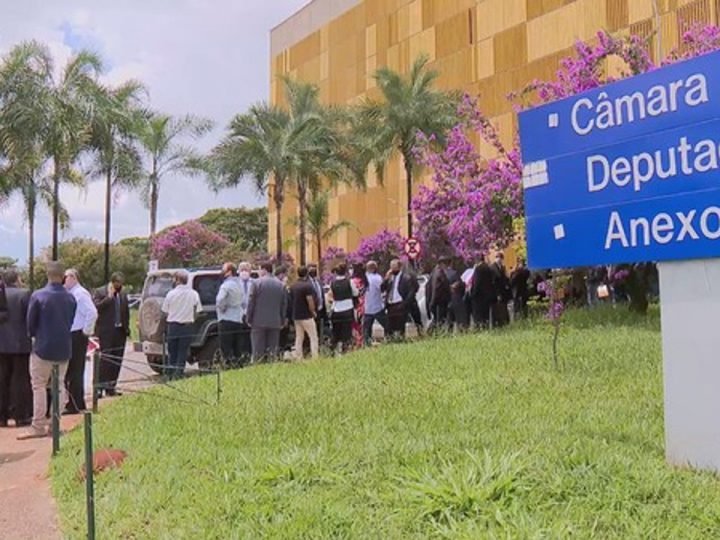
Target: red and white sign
413, 249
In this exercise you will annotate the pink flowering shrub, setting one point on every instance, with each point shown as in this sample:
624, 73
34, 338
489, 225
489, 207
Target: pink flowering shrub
382, 247
263, 257
697, 40
472, 203
188, 244
587, 70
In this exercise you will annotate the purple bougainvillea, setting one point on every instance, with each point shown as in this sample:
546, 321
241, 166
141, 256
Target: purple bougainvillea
188, 244
472, 202
382, 247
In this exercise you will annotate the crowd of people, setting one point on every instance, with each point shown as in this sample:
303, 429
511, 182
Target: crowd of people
255, 314
51, 327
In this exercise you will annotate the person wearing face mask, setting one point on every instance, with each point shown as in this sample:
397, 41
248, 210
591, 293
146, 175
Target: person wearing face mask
112, 329
246, 282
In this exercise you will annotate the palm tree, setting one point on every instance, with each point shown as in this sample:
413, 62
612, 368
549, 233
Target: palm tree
114, 133
410, 105
24, 75
280, 148
159, 140
318, 217
70, 104
323, 158
261, 143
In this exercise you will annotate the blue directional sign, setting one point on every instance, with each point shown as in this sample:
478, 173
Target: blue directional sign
628, 172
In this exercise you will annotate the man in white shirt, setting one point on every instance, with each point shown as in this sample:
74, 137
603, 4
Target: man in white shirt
180, 307
83, 326
374, 305
230, 313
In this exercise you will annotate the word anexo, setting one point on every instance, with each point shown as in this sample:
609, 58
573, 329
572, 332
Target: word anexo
664, 228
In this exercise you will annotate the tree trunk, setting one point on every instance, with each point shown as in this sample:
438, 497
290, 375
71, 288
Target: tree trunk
55, 209
278, 195
409, 180
108, 209
154, 196
318, 239
302, 196
30, 204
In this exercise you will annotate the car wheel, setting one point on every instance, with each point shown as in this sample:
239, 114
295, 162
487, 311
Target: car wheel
210, 356
156, 363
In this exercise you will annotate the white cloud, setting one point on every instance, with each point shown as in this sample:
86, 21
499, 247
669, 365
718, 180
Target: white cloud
208, 58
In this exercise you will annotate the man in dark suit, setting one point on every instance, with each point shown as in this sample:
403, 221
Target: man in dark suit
400, 288
15, 389
521, 293
112, 329
266, 314
483, 296
501, 282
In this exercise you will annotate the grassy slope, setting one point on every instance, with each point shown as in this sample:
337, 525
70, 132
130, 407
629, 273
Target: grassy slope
468, 437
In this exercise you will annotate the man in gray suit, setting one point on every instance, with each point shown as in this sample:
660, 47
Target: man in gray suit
15, 390
266, 314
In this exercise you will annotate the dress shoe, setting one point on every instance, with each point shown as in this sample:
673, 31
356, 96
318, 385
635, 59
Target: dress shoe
113, 393
3, 423
32, 433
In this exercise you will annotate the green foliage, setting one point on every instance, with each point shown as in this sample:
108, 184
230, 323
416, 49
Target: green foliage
161, 139
465, 437
7, 262
86, 256
246, 228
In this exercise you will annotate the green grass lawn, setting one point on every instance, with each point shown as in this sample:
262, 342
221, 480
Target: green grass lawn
469, 437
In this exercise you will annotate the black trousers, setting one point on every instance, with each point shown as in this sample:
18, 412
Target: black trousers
235, 343
112, 350
414, 309
440, 315
481, 311
75, 376
15, 391
397, 317
342, 330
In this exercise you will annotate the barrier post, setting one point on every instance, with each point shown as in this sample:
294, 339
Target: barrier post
55, 409
95, 379
89, 479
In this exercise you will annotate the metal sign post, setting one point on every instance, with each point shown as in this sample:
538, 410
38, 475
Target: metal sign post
627, 173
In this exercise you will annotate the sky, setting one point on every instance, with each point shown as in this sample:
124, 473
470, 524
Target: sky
210, 59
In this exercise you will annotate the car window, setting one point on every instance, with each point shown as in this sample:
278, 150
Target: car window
157, 286
207, 287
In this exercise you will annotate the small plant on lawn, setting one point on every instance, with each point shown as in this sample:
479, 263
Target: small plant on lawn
554, 291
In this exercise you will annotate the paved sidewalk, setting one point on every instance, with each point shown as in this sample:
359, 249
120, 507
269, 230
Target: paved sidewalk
27, 508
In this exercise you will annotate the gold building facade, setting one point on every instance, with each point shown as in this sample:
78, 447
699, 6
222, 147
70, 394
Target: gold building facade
485, 47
